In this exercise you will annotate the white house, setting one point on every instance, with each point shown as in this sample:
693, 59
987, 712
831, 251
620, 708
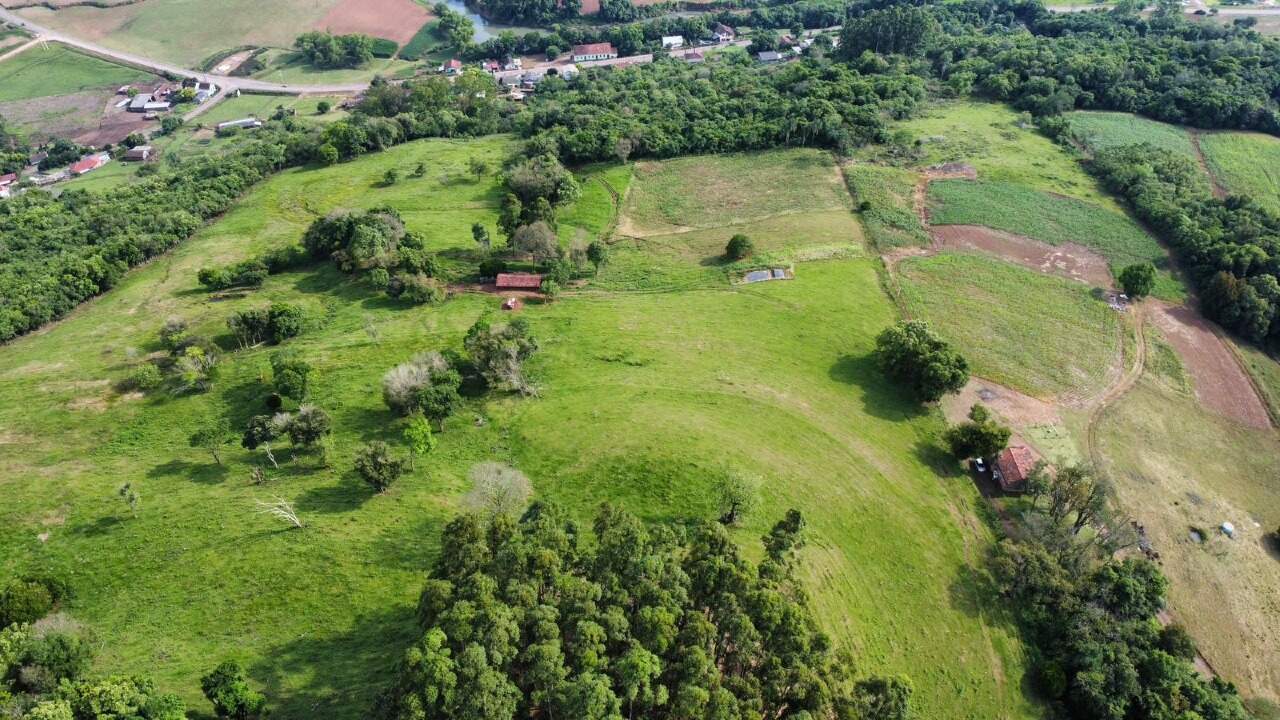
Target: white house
594, 51
671, 42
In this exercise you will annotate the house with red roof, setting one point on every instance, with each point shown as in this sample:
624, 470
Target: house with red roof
594, 51
1012, 468
452, 67
519, 281
90, 163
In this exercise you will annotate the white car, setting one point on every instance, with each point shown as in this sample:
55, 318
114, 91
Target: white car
980, 466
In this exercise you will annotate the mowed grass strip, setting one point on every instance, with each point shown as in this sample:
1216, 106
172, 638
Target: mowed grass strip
1245, 164
712, 191
1101, 130
888, 194
50, 70
1037, 333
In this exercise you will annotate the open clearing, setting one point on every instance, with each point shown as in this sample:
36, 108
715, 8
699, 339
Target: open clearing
1245, 164
1042, 335
397, 20
53, 70
645, 397
1180, 468
1100, 130
1221, 385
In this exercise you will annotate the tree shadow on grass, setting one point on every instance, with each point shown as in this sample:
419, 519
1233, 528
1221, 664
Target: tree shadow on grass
412, 544
348, 494
340, 673
879, 398
99, 527
207, 473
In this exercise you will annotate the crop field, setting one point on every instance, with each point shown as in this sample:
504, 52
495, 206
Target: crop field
1099, 130
52, 70
1051, 219
644, 398
187, 32
1245, 164
1041, 335
1180, 469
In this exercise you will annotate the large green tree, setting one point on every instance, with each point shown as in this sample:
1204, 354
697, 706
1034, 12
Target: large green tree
912, 355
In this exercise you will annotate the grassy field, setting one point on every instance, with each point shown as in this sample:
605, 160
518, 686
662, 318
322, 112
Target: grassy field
46, 71
287, 67
644, 398
1099, 130
890, 217
1003, 146
187, 32
1042, 335
1245, 164
1179, 468
1054, 220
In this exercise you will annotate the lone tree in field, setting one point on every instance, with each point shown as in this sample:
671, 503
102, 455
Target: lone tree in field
980, 437
498, 353
598, 255
738, 494
910, 354
1138, 280
498, 489
739, 247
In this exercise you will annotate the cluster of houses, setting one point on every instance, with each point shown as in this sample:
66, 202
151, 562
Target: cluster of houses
789, 48
151, 101
512, 75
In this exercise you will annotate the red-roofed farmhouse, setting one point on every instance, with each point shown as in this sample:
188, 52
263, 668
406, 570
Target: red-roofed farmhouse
1013, 467
519, 281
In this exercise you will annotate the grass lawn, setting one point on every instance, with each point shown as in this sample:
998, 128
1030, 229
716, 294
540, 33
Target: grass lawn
891, 219
45, 71
288, 67
644, 398
1246, 164
1099, 130
1178, 468
1051, 219
1043, 335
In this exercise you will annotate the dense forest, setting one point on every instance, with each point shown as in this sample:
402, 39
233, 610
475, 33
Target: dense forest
535, 618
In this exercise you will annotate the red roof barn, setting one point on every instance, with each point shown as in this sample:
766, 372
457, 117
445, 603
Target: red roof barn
1013, 467
519, 281
93, 162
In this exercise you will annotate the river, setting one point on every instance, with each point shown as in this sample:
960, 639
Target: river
484, 29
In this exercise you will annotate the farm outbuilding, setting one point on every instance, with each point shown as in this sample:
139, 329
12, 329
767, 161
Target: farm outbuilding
1013, 467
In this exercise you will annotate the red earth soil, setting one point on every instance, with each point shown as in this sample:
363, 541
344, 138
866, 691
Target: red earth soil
1068, 260
1221, 384
397, 20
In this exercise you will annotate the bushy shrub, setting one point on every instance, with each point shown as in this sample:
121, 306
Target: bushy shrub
402, 383
24, 601
230, 694
739, 247
377, 466
144, 378
416, 288
291, 375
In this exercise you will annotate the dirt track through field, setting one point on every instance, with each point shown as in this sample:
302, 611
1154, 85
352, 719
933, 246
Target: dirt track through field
397, 20
1221, 385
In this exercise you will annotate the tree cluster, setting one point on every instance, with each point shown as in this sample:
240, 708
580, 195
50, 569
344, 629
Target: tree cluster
274, 323
334, 51
530, 618
253, 272
1229, 247
671, 108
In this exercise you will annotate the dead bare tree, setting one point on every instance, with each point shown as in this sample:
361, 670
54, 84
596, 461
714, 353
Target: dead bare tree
281, 509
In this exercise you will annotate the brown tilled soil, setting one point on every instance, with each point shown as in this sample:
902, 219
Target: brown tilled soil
397, 20
1069, 260
1221, 384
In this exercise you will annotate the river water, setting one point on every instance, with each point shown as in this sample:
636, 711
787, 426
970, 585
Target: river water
484, 29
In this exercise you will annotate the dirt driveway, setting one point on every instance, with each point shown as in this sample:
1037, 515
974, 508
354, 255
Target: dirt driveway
1220, 383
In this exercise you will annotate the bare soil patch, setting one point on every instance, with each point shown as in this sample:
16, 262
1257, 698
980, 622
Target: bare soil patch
1221, 385
397, 20
228, 64
1010, 405
1070, 260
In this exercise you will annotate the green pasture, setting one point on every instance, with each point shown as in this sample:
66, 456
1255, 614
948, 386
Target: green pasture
1043, 335
1100, 130
49, 70
1245, 164
643, 399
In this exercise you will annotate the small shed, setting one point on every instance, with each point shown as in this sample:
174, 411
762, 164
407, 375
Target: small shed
519, 281
1013, 467
141, 153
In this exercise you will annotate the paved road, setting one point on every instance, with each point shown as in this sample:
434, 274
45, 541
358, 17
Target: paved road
224, 81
